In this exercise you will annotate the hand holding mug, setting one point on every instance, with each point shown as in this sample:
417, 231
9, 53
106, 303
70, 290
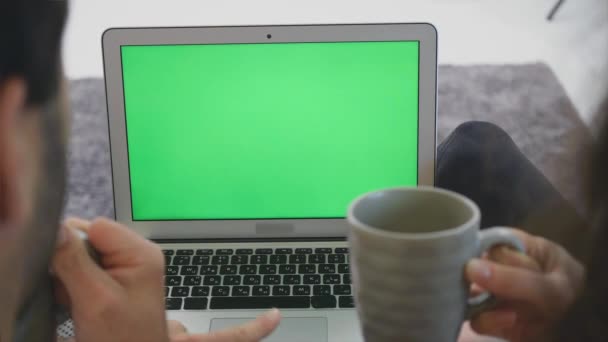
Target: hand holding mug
533, 290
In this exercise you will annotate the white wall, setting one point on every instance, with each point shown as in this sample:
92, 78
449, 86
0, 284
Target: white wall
470, 31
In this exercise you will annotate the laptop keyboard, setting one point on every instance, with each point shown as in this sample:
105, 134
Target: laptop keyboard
262, 278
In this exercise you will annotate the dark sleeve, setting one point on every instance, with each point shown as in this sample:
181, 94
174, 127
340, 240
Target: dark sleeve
481, 161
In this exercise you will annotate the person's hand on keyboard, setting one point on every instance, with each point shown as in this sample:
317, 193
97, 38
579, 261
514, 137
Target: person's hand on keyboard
122, 300
253, 331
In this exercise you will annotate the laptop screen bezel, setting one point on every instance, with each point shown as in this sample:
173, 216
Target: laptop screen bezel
114, 39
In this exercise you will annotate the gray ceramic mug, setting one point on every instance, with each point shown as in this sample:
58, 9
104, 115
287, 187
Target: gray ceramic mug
409, 247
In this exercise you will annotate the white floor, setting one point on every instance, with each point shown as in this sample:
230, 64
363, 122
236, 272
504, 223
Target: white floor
575, 44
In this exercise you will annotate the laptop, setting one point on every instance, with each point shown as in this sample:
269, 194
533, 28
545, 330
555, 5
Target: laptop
238, 150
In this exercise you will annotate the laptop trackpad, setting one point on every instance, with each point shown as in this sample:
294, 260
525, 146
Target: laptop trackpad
290, 329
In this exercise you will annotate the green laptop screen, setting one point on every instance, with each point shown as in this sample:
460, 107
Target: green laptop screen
268, 131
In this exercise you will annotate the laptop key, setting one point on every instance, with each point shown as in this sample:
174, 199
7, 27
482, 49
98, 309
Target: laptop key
239, 260
185, 252
261, 291
301, 290
327, 268
189, 270
272, 279
287, 269
220, 260
344, 268
195, 303
244, 251
224, 251
312, 279
248, 269
336, 259
228, 269
303, 250
173, 304
342, 290
212, 280
321, 290
168, 252
166, 291
208, 270
252, 280
263, 251
200, 260
167, 260
180, 291
192, 280
268, 269
204, 252
331, 279
240, 291
346, 279
322, 250
280, 290
292, 279
323, 302
283, 251
173, 280
297, 259
316, 259
181, 260
280, 302
232, 280
346, 301
307, 269
259, 259
341, 250
171, 270
200, 291
220, 291
278, 259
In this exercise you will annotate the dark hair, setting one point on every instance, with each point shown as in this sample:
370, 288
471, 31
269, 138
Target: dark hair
30, 44
587, 320
598, 187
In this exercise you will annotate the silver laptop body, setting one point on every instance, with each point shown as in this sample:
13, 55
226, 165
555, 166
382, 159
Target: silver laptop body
224, 267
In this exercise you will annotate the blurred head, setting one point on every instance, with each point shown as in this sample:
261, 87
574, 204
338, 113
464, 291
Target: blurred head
598, 183
32, 144
587, 318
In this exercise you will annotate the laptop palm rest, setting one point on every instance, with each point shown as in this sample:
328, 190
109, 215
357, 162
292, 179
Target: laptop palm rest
290, 329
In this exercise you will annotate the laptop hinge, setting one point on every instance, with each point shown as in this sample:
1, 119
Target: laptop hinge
238, 240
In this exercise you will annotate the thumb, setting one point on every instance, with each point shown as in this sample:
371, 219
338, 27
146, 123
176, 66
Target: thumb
497, 323
79, 274
508, 282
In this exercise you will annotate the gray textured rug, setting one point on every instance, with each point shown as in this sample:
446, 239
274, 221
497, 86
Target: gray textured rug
526, 100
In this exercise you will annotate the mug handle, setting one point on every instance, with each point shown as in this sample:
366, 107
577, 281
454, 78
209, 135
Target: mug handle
489, 238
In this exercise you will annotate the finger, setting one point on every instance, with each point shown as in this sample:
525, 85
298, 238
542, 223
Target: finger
537, 248
475, 290
252, 331
507, 256
78, 223
175, 328
494, 323
118, 244
468, 335
507, 282
78, 273
61, 294
122, 249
